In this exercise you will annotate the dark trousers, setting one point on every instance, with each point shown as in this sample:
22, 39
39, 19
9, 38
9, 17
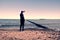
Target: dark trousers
22, 27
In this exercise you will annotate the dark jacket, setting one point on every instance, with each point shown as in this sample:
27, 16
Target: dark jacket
22, 19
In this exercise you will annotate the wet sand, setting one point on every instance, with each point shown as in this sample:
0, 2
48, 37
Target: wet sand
29, 34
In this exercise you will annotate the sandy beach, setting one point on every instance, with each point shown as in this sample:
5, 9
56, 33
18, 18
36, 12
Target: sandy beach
29, 34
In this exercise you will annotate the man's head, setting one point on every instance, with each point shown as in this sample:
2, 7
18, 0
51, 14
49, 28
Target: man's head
22, 11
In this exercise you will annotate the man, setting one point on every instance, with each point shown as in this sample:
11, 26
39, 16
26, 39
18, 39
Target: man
22, 20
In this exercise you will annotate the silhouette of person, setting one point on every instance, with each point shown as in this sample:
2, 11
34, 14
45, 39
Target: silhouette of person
22, 20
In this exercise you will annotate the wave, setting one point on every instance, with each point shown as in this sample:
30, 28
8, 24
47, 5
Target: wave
8, 25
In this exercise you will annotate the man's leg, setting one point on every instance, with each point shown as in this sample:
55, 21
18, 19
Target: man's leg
20, 28
23, 28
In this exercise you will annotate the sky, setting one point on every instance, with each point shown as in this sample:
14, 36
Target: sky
34, 9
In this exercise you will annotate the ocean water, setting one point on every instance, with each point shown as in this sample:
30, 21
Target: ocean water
50, 23
15, 23
9, 23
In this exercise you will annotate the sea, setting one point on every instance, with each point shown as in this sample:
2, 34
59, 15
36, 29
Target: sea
15, 23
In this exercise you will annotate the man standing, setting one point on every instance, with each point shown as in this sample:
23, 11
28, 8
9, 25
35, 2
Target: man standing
22, 20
